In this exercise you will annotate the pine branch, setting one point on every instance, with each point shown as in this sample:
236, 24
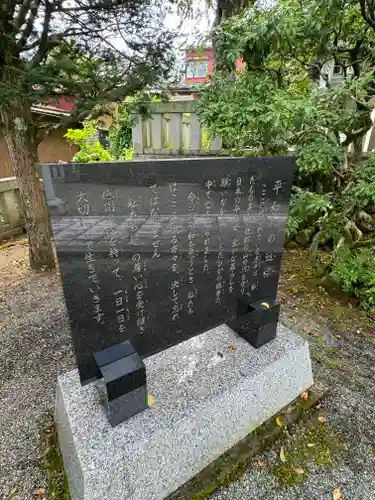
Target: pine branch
21, 17
93, 6
29, 23
368, 12
45, 42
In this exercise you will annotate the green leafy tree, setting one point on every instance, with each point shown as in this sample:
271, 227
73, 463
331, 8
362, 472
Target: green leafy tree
275, 106
249, 112
284, 48
95, 51
224, 10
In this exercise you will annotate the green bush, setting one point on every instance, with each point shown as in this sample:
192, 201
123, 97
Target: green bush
318, 158
354, 271
94, 153
87, 140
305, 209
126, 154
120, 134
361, 193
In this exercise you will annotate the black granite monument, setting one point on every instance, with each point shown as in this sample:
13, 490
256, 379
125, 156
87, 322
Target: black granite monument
152, 253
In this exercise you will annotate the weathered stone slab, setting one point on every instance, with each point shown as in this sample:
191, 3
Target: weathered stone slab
209, 392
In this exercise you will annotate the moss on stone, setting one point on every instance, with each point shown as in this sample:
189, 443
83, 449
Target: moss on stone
287, 476
318, 445
52, 462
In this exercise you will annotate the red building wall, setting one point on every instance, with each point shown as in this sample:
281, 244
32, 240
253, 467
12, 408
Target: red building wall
197, 60
199, 64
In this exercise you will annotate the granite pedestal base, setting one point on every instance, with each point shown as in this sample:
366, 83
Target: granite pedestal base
208, 393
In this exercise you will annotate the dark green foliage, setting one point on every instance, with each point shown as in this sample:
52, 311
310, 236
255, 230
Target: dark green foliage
63, 48
249, 112
273, 107
354, 271
121, 131
361, 192
305, 209
318, 159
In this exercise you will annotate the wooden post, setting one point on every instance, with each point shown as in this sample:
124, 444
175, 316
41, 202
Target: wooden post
176, 133
195, 134
216, 145
156, 141
137, 136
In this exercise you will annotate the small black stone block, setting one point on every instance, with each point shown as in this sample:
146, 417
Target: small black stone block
114, 353
124, 375
254, 322
262, 316
243, 305
127, 405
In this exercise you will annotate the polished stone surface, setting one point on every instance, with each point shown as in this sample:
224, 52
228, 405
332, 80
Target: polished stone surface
156, 252
208, 393
126, 406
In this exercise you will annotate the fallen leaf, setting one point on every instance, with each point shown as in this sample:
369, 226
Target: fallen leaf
304, 395
310, 445
311, 331
278, 421
318, 406
299, 470
282, 454
321, 419
259, 463
150, 400
307, 329
336, 494
39, 491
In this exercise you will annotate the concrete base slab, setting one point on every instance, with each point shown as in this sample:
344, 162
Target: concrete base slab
208, 392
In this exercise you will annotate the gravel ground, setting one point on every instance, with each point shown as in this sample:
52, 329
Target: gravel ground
350, 414
347, 369
36, 347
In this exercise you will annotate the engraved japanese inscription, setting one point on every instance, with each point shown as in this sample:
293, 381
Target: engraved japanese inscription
156, 252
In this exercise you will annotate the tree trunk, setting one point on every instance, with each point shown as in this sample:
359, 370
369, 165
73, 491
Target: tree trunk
22, 148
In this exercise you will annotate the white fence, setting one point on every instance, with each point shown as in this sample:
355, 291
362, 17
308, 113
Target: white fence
11, 215
172, 129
